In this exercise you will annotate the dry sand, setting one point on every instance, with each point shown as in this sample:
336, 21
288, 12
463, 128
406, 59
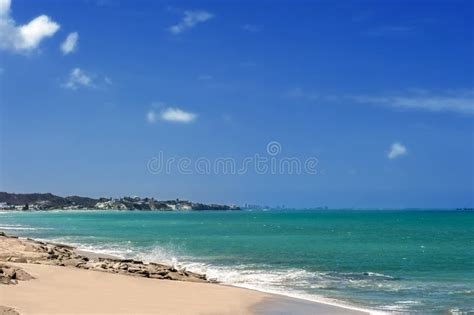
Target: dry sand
59, 290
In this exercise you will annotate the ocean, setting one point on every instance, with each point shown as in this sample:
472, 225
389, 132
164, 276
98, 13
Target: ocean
390, 261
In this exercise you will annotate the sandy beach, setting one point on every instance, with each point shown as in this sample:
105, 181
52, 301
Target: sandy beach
58, 287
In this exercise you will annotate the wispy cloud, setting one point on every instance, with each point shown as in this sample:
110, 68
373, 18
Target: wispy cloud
397, 150
389, 30
108, 80
107, 3
151, 116
300, 93
247, 64
190, 20
251, 28
454, 100
313, 96
460, 101
70, 43
78, 78
205, 77
27, 37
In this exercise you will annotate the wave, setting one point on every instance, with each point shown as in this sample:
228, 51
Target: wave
111, 249
21, 227
273, 281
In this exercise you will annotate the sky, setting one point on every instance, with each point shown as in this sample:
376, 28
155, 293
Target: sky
372, 102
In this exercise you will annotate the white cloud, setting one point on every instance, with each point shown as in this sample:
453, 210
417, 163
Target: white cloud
27, 37
78, 78
460, 101
190, 20
151, 116
397, 149
177, 115
170, 114
5, 7
70, 43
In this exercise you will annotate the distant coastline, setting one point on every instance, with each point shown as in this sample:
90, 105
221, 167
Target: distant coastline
48, 201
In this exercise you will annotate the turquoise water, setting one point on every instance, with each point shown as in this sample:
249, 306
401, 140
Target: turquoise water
403, 261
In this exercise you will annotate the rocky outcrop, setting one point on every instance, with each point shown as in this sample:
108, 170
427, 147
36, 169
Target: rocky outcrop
31, 251
5, 310
11, 275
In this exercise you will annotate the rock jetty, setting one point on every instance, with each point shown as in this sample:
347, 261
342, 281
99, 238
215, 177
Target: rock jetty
16, 250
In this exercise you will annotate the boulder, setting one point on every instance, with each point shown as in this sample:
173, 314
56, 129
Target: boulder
5, 280
10, 274
72, 262
18, 259
30, 248
22, 275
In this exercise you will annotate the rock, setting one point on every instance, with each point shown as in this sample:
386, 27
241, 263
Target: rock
4, 280
5, 310
30, 248
53, 254
18, 259
9, 272
134, 269
10, 275
22, 275
103, 266
72, 262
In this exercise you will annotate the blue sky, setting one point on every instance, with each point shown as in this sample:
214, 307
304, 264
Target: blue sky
379, 92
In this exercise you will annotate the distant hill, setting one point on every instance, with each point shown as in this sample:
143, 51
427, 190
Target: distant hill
22, 199
48, 201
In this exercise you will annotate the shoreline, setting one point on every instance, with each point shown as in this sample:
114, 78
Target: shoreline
274, 295
256, 301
